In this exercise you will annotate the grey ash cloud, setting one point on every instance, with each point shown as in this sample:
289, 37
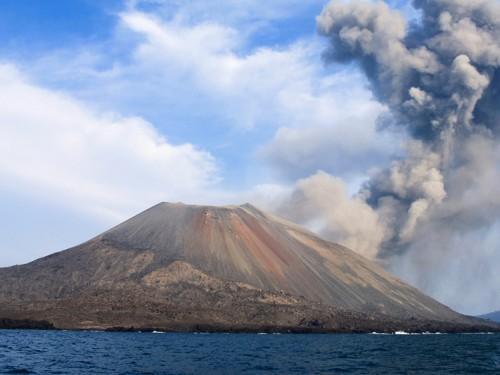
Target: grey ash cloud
440, 78
432, 75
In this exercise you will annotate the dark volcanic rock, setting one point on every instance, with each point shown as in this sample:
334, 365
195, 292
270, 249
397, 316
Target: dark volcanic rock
25, 324
198, 268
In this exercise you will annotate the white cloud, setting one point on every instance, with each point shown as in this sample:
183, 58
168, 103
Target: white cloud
337, 133
323, 120
252, 88
248, 13
196, 75
57, 148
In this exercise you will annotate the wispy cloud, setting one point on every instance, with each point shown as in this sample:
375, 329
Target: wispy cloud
60, 150
284, 90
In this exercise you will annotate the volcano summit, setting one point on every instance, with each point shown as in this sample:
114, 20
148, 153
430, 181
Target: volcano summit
234, 268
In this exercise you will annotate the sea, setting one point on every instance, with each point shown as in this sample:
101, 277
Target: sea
69, 352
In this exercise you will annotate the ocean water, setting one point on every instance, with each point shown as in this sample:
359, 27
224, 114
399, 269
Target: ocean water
53, 352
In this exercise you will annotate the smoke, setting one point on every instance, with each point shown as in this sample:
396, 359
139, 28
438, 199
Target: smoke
431, 75
434, 214
322, 202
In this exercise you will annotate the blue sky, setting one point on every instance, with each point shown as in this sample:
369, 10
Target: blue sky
111, 106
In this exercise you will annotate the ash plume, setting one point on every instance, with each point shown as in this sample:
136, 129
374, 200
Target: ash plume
438, 207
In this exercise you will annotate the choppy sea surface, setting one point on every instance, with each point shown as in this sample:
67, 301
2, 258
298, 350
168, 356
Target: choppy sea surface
59, 352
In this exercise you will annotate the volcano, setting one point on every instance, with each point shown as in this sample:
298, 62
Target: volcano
234, 268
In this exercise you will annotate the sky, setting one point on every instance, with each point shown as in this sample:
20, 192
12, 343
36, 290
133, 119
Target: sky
109, 107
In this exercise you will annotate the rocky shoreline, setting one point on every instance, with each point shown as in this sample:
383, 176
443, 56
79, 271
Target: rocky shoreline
306, 330
361, 324
26, 324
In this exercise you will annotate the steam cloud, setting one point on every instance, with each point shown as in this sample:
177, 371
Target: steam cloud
434, 215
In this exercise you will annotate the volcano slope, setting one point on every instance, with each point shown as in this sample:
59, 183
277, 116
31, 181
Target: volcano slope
186, 268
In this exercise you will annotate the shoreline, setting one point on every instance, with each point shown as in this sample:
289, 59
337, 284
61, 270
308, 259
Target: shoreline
7, 324
397, 333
